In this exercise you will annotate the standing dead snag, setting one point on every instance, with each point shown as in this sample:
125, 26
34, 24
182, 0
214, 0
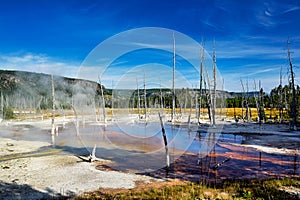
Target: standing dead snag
208, 97
201, 79
53, 107
234, 111
257, 102
2, 107
196, 105
243, 99
294, 104
245, 102
161, 99
138, 95
165, 142
280, 97
112, 100
262, 117
103, 101
185, 100
221, 100
145, 97
249, 114
215, 88
173, 81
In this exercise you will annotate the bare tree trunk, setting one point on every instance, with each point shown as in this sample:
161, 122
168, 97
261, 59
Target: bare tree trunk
145, 98
161, 100
185, 101
208, 99
215, 88
243, 99
294, 104
2, 106
103, 101
271, 109
138, 94
165, 142
222, 100
191, 102
234, 112
256, 102
262, 107
53, 106
280, 97
173, 81
189, 122
249, 117
201, 79
112, 100
285, 101
196, 105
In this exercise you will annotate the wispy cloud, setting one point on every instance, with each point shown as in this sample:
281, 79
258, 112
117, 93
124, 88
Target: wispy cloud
273, 8
255, 47
291, 9
269, 13
38, 63
261, 71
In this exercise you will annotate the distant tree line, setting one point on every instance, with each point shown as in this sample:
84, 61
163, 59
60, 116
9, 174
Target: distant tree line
24, 90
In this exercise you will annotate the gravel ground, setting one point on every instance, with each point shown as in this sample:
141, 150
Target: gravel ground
40, 175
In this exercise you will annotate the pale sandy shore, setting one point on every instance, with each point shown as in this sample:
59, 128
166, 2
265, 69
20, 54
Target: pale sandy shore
40, 175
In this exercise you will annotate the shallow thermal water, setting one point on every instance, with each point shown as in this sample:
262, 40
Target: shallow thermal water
193, 156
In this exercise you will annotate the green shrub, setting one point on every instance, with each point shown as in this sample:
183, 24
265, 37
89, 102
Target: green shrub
8, 113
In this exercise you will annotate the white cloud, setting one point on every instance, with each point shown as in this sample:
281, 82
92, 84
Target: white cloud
292, 8
261, 71
267, 14
250, 49
38, 63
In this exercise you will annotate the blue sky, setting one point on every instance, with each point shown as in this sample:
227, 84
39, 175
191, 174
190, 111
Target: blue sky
56, 36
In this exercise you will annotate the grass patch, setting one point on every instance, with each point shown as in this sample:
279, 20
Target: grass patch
230, 189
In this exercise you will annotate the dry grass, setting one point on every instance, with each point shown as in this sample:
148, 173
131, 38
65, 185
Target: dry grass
229, 112
231, 189
270, 113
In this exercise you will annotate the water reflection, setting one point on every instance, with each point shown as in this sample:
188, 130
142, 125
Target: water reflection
143, 151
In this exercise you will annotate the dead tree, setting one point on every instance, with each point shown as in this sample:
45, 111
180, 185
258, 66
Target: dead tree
249, 114
244, 102
257, 102
234, 111
112, 100
185, 100
271, 109
145, 98
208, 98
173, 80
191, 102
161, 100
138, 100
294, 103
201, 79
222, 99
262, 117
2, 106
214, 97
280, 97
196, 105
285, 100
165, 142
53, 106
103, 101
